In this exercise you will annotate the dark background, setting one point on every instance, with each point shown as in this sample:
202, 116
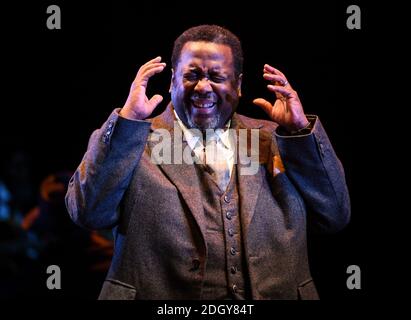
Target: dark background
63, 84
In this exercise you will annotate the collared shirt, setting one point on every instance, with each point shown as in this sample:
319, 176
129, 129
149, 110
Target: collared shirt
225, 144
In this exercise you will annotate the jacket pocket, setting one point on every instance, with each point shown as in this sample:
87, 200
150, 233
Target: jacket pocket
117, 290
307, 290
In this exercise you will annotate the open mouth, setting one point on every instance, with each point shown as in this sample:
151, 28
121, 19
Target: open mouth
203, 104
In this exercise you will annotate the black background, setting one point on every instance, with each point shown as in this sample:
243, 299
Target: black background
62, 84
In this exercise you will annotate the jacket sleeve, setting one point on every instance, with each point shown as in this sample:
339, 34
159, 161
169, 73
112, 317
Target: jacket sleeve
313, 167
97, 187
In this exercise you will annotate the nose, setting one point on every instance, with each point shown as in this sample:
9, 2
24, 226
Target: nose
203, 86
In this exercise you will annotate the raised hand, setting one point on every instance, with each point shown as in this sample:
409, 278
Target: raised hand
138, 106
287, 109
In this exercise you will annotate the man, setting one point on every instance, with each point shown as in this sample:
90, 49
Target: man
197, 231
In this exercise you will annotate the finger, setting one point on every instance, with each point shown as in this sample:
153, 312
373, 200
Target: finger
143, 78
152, 71
156, 59
271, 69
284, 91
152, 65
264, 104
155, 100
146, 68
272, 77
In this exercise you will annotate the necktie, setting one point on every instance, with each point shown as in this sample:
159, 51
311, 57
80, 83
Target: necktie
217, 162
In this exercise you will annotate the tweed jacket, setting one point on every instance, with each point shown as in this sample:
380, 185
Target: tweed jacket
157, 213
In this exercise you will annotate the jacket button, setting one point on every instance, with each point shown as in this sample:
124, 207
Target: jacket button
233, 251
229, 215
196, 265
230, 232
227, 199
106, 138
233, 270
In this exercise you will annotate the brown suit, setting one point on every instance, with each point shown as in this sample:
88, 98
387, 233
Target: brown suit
159, 217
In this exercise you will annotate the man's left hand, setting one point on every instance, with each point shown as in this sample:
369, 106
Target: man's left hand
287, 109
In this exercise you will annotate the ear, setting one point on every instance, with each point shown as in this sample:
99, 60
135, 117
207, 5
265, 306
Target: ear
172, 79
239, 81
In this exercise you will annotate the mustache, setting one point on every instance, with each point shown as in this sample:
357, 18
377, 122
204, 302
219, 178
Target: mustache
211, 97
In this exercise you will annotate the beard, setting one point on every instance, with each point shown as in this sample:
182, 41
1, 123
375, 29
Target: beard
193, 119
209, 124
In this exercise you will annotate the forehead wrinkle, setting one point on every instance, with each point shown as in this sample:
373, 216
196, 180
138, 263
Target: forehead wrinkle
195, 54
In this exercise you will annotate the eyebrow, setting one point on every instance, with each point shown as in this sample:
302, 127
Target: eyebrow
211, 70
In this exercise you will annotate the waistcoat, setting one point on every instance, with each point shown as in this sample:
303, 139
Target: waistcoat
226, 276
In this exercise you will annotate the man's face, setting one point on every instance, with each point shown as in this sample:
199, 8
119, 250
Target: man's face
204, 89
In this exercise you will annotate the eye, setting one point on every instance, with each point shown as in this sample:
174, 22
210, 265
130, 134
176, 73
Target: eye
191, 76
218, 79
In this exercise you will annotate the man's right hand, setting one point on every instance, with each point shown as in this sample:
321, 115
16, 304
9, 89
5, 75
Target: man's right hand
138, 106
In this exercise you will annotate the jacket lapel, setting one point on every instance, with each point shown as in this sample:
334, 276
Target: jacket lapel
249, 185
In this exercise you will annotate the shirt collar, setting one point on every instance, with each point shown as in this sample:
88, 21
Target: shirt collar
194, 138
